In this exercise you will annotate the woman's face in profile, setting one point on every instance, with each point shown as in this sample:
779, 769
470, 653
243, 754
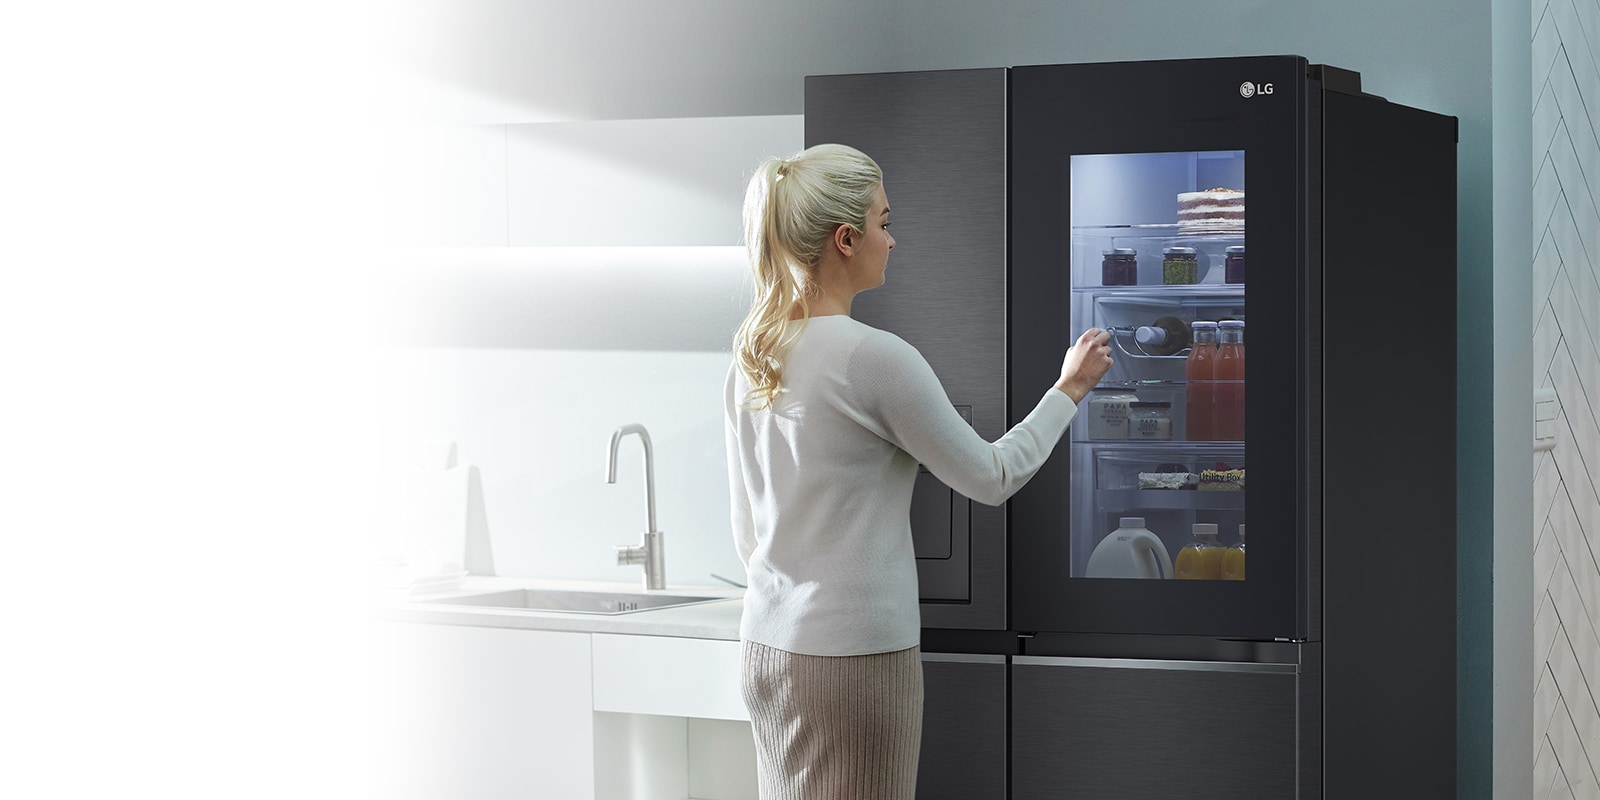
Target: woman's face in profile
872, 255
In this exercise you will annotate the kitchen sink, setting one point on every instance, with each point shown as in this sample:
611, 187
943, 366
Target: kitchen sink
575, 601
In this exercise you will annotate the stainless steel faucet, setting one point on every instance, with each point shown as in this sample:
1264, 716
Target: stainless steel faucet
648, 553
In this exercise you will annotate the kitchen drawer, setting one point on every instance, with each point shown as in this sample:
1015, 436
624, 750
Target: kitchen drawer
668, 676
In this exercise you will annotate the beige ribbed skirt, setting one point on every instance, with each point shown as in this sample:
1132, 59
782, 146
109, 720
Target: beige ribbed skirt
834, 727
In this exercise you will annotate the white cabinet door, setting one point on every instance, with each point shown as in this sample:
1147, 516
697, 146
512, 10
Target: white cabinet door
668, 676
481, 713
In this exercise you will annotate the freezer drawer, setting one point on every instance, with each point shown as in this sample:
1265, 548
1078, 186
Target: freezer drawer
963, 728
1133, 729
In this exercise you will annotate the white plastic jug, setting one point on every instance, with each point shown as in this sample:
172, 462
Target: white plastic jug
1130, 551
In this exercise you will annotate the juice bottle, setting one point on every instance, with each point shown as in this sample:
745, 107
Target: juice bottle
1201, 389
1229, 375
1201, 559
1233, 560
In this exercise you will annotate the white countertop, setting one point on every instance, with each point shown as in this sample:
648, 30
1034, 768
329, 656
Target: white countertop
714, 620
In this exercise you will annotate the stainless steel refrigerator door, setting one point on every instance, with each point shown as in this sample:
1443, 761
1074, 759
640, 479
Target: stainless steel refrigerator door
940, 138
963, 728
1152, 730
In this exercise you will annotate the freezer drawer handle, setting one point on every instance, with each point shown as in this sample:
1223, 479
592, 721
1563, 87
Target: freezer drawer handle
1145, 663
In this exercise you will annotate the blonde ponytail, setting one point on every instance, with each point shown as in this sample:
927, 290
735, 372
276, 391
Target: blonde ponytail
791, 209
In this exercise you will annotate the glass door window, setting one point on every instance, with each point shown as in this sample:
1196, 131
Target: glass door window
1157, 252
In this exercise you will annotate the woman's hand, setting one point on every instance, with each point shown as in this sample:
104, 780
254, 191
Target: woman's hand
1085, 364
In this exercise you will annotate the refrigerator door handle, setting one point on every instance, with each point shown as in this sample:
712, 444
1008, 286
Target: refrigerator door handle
965, 658
1145, 663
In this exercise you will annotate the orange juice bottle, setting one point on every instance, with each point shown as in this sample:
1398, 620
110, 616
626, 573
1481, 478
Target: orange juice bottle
1201, 559
1228, 424
1233, 560
1200, 386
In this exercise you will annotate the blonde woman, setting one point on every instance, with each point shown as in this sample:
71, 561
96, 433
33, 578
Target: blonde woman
827, 420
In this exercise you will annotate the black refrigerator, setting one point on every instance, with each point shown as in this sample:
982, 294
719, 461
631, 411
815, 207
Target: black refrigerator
1284, 389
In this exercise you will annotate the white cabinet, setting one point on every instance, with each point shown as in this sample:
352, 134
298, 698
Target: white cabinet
668, 676
481, 713
670, 721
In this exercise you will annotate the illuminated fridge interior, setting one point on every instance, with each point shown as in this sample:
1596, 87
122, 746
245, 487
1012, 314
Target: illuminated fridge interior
1158, 244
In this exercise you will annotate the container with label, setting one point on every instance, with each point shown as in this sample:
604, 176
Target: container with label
1108, 413
1150, 421
1119, 267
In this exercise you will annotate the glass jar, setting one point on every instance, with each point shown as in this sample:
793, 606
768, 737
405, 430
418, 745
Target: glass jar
1233, 266
1180, 265
1150, 421
1108, 413
1119, 267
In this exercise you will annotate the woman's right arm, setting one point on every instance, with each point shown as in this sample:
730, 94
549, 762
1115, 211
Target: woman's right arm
904, 400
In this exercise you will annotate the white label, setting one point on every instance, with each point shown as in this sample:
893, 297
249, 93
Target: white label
1108, 418
1149, 428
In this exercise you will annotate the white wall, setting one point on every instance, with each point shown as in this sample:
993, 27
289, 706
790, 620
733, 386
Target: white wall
562, 346
593, 278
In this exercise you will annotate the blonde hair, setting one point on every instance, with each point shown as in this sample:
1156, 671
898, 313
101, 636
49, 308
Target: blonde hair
791, 209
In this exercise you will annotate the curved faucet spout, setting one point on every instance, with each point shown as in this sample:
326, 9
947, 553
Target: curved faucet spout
649, 468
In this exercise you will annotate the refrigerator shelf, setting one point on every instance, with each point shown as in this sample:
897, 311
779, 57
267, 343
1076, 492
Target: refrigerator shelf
1174, 296
1139, 449
1118, 500
1169, 233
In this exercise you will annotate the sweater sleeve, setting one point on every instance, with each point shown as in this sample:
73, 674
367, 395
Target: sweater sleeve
744, 529
899, 393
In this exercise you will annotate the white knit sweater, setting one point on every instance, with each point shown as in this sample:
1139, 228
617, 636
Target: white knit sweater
821, 485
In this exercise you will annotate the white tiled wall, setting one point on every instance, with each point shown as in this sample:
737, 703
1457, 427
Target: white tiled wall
1566, 351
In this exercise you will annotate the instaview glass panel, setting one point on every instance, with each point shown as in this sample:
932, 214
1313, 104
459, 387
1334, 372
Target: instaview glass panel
1158, 248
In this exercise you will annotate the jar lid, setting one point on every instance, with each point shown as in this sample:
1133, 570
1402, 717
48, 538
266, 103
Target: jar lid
1232, 323
1202, 323
1178, 251
1143, 404
1120, 251
1205, 527
1238, 248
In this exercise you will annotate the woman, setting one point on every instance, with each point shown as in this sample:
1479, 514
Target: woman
827, 420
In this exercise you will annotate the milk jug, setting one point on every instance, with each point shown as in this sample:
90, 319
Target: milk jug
1130, 551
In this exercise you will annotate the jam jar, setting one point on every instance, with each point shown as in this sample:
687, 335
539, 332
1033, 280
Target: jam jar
1233, 266
1119, 267
1179, 265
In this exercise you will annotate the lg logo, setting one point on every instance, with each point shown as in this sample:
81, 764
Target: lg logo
1248, 89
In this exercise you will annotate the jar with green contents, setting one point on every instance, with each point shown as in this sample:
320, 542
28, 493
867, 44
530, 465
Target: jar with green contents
1180, 265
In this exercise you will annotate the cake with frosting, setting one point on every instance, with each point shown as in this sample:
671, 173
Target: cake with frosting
1221, 209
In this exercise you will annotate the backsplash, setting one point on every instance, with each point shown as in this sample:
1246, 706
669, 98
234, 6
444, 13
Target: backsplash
528, 358
536, 423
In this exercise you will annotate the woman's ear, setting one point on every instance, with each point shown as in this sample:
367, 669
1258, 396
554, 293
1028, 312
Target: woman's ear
844, 239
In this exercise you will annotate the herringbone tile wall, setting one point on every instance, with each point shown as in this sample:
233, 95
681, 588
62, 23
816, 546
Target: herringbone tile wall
1566, 351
